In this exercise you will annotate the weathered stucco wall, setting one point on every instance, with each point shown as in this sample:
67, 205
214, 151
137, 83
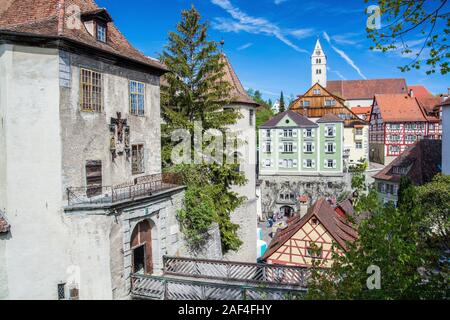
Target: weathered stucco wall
86, 135
44, 143
31, 184
246, 215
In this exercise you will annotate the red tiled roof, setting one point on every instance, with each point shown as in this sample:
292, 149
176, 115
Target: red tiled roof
428, 105
423, 160
4, 226
362, 110
339, 228
50, 18
238, 93
420, 91
399, 108
366, 89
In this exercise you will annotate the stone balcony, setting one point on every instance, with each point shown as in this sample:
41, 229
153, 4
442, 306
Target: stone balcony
97, 197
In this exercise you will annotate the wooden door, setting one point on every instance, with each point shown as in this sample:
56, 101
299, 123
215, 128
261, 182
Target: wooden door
142, 237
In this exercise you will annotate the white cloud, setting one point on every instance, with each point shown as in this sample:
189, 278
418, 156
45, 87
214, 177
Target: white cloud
255, 25
344, 56
302, 33
337, 73
277, 2
245, 46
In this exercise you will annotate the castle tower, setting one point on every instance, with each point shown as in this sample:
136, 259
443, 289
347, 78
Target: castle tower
318, 66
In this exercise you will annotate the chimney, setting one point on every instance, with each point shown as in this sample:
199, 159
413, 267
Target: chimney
411, 93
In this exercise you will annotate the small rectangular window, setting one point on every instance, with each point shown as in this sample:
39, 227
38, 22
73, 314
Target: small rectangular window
101, 32
252, 113
61, 291
137, 159
137, 98
359, 145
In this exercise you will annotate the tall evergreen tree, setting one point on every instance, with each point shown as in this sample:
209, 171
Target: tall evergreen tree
195, 90
282, 103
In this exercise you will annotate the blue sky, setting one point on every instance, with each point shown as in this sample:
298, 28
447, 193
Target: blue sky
269, 42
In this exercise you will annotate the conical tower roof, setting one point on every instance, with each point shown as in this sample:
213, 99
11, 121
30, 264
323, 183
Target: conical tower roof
238, 93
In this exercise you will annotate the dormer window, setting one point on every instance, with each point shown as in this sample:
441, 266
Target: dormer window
101, 32
96, 23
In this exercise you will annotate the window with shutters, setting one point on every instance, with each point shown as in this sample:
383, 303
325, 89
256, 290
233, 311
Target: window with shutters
93, 178
330, 148
308, 163
288, 147
308, 133
329, 164
268, 147
91, 91
137, 159
330, 131
359, 145
287, 133
137, 98
268, 133
359, 131
309, 147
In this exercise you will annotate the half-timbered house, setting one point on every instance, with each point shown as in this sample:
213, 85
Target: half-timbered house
314, 237
398, 121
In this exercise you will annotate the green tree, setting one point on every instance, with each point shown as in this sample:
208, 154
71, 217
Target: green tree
194, 90
406, 21
396, 241
282, 103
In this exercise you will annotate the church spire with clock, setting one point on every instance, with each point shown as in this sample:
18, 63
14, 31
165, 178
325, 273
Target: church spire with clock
318, 66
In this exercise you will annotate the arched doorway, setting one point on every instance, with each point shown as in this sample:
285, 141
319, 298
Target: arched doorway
287, 211
141, 248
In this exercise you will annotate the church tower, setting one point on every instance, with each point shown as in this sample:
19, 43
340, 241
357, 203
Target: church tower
319, 66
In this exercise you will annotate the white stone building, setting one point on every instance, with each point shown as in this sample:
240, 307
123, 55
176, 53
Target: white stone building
245, 128
80, 170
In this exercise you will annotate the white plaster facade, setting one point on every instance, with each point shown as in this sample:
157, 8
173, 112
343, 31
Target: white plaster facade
45, 141
246, 215
318, 66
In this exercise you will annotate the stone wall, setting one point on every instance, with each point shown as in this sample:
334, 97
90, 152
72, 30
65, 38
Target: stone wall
311, 186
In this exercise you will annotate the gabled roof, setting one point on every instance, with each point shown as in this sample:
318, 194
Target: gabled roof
238, 93
398, 108
49, 19
366, 89
300, 121
4, 226
329, 118
428, 105
423, 160
338, 227
420, 91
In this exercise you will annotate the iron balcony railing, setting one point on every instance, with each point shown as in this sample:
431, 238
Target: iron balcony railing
162, 288
250, 273
138, 188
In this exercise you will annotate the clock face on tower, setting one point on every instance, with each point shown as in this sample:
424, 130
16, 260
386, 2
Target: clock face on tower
318, 52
